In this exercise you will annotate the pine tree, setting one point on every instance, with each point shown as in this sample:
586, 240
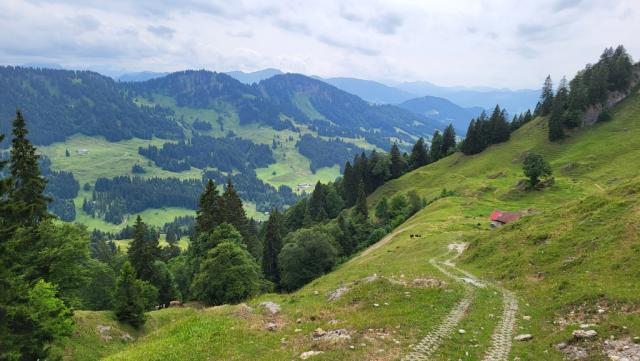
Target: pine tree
316, 205
273, 235
5, 216
397, 163
498, 126
471, 140
361, 202
128, 301
382, 211
436, 146
234, 214
419, 156
144, 250
27, 193
209, 214
546, 98
349, 185
448, 140
557, 117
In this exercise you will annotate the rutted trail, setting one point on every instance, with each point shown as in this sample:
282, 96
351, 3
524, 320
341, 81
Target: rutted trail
502, 335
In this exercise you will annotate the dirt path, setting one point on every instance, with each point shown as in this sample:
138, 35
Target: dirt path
382, 242
502, 335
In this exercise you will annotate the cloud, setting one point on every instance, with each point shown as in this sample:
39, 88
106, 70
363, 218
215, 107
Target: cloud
560, 5
84, 22
162, 31
293, 26
387, 24
342, 45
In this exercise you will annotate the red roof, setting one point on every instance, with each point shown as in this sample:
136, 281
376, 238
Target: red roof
505, 217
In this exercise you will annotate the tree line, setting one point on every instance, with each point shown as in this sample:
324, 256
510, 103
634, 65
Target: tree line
589, 91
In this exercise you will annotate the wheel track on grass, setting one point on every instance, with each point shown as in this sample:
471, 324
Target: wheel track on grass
502, 335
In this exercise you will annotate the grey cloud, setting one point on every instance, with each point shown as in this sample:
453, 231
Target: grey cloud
526, 52
339, 44
293, 27
162, 31
84, 22
240, 34
534, 32
387, 24
472, 29
560, 5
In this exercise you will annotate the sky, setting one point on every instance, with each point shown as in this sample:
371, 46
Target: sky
496, 43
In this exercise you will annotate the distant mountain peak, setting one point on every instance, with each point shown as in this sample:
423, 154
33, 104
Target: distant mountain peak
255, 76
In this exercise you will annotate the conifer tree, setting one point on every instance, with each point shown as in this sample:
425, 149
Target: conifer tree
349, 185
209, 214
419, 156
144, 250
546, 98
498, 126
382, 211
317, 212
5, 186
273, 235
397, 163
234, 214
557, 117
361, 203
436, 146
470, 142
448, 140
27, 193
128, 301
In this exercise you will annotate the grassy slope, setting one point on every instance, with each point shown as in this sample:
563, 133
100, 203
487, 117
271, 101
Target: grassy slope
582, 237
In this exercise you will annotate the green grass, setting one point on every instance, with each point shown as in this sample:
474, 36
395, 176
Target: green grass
577, 251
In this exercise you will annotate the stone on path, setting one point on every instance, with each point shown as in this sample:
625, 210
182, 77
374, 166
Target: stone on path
583, 334
272, 307
524, 337
306, 355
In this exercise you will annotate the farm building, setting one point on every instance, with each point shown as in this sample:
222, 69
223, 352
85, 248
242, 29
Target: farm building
499, 218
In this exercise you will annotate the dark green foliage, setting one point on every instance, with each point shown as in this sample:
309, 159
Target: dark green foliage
485, 131
137, 169
162, 279
326, 153
60, 103
535, 167
382, 211
98, 292
234, 214
144, 250
350, 181
419, 154
315, 206
498, 125
436, 152
546, 98
228, 274
448, 140
306, 255
209, 213
346, 236
128, 299
397, 162
559, 107
273, 237
27, 193
361, 202
225, 154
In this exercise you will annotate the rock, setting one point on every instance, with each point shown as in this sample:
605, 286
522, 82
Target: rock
297, 330
376, 305
561, 346
337, 293
333, 322
318, 332
583, 334
271, 326
272, 307
103, 329
316, 293
461, 331
335, 336
306, 355
126, 337
524, 337
370, 279
299, 320
526, 318
427, 283
636, 339
106, 338
585, 326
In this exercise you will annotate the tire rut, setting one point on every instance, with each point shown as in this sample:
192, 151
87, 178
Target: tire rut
501, 340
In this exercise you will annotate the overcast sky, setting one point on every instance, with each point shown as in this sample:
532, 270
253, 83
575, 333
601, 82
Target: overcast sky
495, 43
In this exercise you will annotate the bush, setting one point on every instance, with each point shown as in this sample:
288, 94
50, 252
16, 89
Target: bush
306, 255
228, 274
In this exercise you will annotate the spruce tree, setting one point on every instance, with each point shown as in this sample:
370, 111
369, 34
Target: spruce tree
448, 140
316, 205
546, 98
436, 146
273, 234
397, 163
470, 141
557, 117
361, 203
144, 250
349, 185
499, 128
209, 214
5, 186
235, 215
128, 301
27, 192
382, 211
419, 156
